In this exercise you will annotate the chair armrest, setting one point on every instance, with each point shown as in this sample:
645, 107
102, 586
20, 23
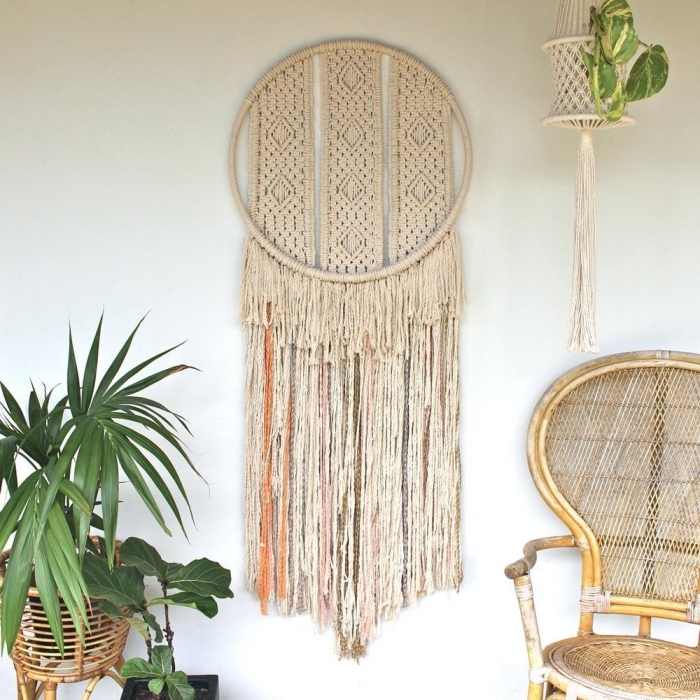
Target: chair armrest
523, 566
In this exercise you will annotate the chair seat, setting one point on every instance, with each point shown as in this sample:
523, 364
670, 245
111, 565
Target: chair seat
634, 668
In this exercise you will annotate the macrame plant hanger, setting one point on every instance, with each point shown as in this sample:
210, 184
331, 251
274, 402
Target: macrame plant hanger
573, 107
351, 298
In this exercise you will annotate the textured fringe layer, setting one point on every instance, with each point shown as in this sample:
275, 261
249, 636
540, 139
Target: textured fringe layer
338, 316
352, 456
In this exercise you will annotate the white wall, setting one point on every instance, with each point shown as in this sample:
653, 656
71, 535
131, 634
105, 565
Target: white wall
114, 195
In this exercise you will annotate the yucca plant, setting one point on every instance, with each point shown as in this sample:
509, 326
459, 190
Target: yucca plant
74, 451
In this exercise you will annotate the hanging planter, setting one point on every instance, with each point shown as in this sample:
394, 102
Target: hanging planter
590, 48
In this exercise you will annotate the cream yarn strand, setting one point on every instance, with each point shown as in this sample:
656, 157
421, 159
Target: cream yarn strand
582, 324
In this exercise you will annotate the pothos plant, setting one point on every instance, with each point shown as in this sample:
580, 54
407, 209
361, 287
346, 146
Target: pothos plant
121, 592
617, 43
61, 463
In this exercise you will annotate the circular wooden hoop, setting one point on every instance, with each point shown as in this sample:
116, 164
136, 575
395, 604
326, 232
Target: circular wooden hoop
389, 270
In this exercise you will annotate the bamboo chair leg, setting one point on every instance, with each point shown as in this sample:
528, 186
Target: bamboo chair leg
91, 686
119, 663
535, 691
50, 691
26, 689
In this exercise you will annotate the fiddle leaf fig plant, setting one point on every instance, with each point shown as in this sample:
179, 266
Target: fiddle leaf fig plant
617, 43
76, 450
122, 593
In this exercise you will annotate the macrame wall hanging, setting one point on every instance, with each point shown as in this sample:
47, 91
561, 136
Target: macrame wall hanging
351, 298
573, 107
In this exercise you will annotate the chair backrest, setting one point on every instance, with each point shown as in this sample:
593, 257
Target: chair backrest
351, 163
614, 449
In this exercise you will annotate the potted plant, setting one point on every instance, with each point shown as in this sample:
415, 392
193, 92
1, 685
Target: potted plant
616, 44
122, 594
61, 463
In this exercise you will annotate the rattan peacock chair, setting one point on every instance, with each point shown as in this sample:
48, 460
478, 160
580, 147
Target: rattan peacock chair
614, 450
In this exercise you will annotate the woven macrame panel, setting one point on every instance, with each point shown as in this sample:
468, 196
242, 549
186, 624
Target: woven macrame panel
351, 202
280, 192
624, 450
352, 504
421, 156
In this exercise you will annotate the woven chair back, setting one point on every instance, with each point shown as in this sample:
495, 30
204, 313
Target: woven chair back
615, 450
351, 161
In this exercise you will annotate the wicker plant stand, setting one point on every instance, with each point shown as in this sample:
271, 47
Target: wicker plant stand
38, 663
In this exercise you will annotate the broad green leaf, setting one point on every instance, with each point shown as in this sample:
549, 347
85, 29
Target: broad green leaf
648, 75
136, 552
162, 659
607, 80
138, 668
203, 577
152, 622
205, 604
90, 371
112, 611
123, 585
178, 687
155, 685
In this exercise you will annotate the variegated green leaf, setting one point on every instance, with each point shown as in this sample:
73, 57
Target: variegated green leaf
616, 8
617, 104
648, 75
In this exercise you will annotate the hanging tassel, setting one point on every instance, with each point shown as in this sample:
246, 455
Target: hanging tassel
582, 331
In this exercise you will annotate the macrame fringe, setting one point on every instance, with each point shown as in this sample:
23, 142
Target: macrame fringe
353, 482
582, 324
336, 317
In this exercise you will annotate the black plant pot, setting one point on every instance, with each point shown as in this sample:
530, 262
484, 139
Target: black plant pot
137, 688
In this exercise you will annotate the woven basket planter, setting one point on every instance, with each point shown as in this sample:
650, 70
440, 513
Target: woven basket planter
37, 658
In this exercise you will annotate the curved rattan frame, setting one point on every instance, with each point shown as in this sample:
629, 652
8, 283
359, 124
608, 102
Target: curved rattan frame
388, 270
544, 671
539, 469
